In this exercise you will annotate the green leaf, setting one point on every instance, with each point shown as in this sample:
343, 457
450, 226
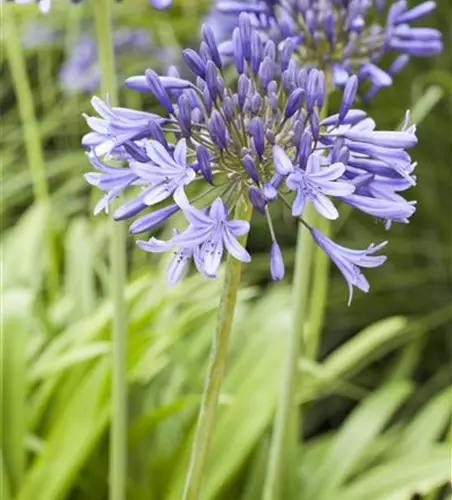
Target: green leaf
352, 440
70, 441
14, 330
427, 426
401, 479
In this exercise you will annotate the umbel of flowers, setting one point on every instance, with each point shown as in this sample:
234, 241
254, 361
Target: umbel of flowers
344, 36
263, 138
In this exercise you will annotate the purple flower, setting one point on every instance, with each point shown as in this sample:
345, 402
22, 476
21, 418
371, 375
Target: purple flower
180, 261
116, 126
262, 139
339, 34
314, 183
165, 173
112, 180
349, 261
206, 237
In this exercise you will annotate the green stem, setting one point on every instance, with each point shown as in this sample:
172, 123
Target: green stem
217, 364
287, 422
317, 303
118, 429
31, 130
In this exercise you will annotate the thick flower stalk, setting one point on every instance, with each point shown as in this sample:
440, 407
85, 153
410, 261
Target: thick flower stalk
262, 139
46, 5
343, 37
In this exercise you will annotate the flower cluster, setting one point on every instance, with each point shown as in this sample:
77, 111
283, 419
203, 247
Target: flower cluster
46, 5
342, 36
265, 140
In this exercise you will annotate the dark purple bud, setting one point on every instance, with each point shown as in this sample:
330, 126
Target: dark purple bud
398, 64
129, 209
256, 198
209, 38
194, 62
217, 129
238, 50
270, 50
419, 48
294, 102
305, 148
245, 33
158, 90
257, 51
150, 221
229, 108
287, 82
250, 167
211, 79
207, 100
276, 262
310, 19
277, 180
156, 133
204, 52
348, 97
220, 86
286, 53
315, 127
266, 72
416, 12
321, 89
311, 90
136, 152
329, 25
203, 157
242, 89
184, 117
256, 129
352, 117
255, 104
270, 136
302, 78
376, 75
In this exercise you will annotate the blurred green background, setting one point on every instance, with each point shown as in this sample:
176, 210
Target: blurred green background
377, 402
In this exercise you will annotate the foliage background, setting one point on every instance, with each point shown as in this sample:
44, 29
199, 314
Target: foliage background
377, 404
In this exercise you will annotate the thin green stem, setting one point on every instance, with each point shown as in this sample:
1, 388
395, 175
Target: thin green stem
317, 303
118, 429
32, 134
287, 422
216, 369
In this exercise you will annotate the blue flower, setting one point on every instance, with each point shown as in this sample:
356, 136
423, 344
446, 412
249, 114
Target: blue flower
116, 126
112, 180
164, 173
206, 236
262, 139
349, 261
314, 184
341, 35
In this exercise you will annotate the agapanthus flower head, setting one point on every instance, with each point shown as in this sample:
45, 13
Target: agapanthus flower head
342, 37
263, 140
